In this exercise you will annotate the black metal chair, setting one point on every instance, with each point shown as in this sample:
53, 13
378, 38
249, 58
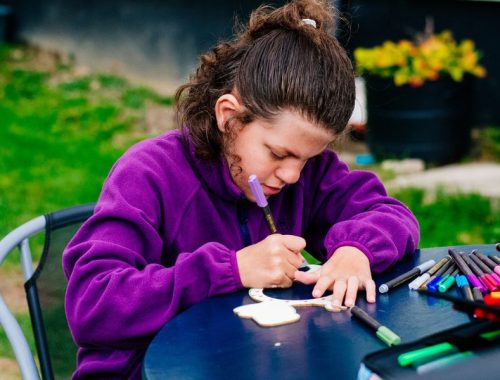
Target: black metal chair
45, 287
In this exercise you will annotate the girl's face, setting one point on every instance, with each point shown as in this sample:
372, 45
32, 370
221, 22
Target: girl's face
276, 151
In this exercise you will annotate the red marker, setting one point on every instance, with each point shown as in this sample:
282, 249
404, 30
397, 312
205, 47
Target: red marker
491, 282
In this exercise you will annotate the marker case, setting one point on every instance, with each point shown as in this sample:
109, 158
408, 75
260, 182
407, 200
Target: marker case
481, 337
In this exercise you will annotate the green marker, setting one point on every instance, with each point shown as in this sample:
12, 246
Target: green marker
426, 354
443, 362
447, 282
383, 333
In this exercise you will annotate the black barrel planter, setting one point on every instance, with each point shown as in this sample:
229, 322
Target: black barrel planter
431, 122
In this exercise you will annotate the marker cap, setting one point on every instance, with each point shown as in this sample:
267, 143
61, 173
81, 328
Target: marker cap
426, 266
446, 284
383, 288
387, 336
415, 284
257, 192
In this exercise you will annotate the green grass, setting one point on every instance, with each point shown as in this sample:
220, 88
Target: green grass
453, 219
61, 134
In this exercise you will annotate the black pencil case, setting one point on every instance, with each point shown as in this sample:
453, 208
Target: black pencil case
483, 364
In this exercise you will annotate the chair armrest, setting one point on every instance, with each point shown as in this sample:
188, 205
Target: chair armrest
18, 343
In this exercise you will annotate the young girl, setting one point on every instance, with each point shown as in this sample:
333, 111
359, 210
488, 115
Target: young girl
176, 221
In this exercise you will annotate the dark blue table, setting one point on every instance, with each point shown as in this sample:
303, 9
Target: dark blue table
208, 341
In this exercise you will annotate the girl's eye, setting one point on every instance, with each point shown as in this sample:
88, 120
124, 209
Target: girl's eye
277, 156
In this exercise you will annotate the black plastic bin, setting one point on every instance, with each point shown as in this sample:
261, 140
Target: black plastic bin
432, 122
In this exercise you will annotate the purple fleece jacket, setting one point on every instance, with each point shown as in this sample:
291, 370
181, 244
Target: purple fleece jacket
166, 229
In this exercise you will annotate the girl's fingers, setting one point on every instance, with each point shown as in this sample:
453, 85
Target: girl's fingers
295, 259
352, 291
306, 278
371, 290
294, 243
339, 289
322, 285
290, 270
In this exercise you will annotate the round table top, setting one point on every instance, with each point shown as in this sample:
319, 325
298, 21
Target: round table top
208, 341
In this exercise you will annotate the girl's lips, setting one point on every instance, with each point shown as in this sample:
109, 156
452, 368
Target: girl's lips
268, 190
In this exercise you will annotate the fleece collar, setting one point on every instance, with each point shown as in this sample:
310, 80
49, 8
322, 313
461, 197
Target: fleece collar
213, 174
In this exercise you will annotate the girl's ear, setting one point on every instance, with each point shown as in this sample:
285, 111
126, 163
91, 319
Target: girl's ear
226, 106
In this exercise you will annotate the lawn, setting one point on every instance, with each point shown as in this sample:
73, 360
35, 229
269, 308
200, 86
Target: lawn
62, 129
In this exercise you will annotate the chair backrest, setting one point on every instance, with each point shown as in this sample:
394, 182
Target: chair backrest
45, 294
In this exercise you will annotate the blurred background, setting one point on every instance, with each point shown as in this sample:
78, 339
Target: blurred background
81, 81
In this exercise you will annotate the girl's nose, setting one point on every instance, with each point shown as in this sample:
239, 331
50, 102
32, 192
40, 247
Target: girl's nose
289, 172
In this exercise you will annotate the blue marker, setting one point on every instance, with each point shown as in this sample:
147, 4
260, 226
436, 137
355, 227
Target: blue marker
464, 287
433, 286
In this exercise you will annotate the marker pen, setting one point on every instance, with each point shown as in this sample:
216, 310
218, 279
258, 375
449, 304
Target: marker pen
261, 201
486, 259
384, 288
496, 259
482, 262
416, 283
383, 333
468, 306
433, 285
447, 282
493, 300
477, 294
443, 362
439, 273
462, 265
478, 272
487, 273
464, 287
426, 354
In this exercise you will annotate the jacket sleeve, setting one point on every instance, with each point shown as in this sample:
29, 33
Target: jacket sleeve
355, 208
119, 291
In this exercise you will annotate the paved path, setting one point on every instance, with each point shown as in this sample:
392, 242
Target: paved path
477, 177
482, 178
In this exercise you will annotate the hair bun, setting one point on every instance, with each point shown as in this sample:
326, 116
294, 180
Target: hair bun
317, 13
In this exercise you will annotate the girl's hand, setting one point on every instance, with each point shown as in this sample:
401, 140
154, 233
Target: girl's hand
272, 262
347, 271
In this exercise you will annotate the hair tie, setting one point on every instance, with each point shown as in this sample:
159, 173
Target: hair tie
309, 21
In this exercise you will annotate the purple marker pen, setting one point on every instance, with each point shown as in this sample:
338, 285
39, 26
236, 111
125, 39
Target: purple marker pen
466, 270
261, 201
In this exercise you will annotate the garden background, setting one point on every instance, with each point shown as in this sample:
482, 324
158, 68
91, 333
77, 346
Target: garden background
63, 124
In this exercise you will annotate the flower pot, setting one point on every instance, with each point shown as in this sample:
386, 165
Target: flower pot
431, 122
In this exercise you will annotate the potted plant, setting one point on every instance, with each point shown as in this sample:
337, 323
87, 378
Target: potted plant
419, 96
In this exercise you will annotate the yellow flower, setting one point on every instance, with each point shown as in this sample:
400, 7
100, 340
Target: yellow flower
415, 63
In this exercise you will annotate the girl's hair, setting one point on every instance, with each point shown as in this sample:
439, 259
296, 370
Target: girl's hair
278, 62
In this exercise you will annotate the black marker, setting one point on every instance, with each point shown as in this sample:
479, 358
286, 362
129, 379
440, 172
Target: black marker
384, 288
383, 333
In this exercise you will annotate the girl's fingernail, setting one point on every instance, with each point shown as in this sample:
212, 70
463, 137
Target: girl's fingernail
349, 302
336, 303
